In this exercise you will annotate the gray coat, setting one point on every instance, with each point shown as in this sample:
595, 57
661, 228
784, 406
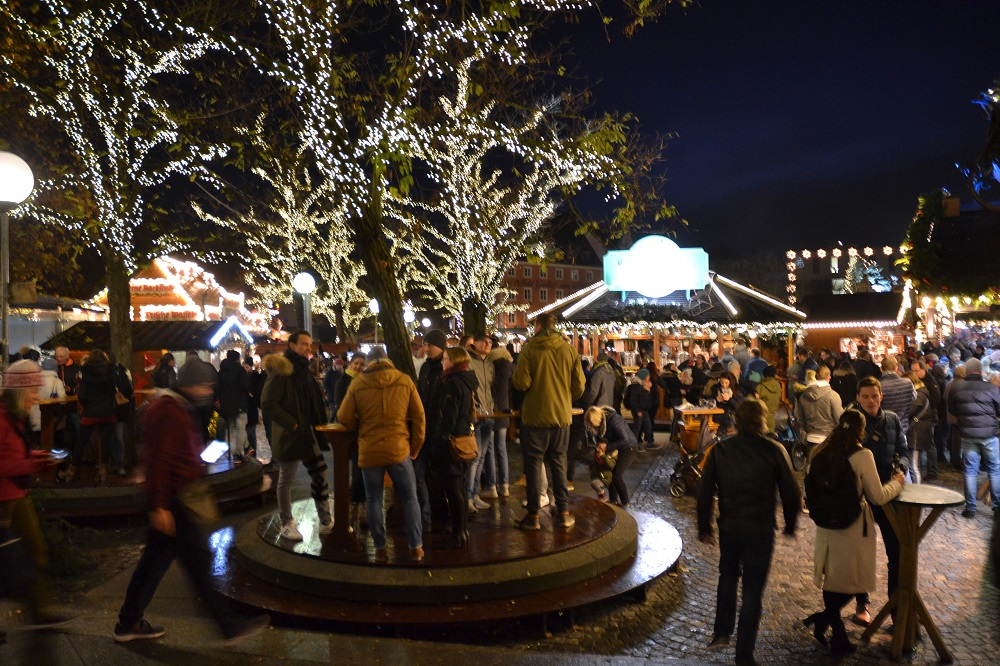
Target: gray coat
600, 388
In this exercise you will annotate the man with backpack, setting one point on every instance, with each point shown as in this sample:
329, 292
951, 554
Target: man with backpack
884, 436
745, 470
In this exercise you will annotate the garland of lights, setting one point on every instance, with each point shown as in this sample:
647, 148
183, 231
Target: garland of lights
836, 253
685, 328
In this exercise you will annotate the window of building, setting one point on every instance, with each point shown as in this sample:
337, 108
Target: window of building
589, 275
574, 275
559, 294
527, 294
512, 272
527, 271
511, 317
542, 273
559, 274
543, 295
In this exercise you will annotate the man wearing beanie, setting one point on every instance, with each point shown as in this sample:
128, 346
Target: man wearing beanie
428, 383
21, 382
293, 400
976, 405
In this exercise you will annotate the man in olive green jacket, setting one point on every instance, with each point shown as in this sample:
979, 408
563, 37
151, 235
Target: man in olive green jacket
293, 400
549, 374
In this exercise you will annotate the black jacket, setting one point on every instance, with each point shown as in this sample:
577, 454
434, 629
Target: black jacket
747, 470
452, 410
976, 405
617, 433
233, 389
97, 390
429, 389
884, 436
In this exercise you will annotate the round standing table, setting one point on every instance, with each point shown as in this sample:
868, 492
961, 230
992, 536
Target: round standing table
904, 513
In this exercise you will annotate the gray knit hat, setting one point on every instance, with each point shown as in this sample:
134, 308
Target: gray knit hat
437, 338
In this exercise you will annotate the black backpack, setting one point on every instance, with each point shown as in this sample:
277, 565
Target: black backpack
832, 492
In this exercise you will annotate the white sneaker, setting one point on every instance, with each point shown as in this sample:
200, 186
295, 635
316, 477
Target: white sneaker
325, 528
472, 507
479, 504
543, 500
489, 493
504, 491
290, 531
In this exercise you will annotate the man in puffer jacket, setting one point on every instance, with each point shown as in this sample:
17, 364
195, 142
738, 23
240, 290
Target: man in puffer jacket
976, 405
384, 406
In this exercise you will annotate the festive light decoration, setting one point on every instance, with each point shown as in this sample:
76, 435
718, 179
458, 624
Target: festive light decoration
835, 254
821, 254
105, 58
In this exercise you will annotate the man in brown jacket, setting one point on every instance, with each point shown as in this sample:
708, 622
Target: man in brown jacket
383, 405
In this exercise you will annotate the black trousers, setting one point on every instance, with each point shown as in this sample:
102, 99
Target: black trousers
190, 545
450, 475
891, 542
750, 551
618, 491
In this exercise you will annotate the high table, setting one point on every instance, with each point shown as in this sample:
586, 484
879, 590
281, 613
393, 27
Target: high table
340, 439
692, 418
904, 514
48, 408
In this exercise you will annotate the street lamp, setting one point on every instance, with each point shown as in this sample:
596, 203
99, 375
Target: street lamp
16, 184
304, 283
373, 306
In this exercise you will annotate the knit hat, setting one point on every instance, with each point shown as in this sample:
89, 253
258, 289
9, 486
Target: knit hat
233, 354
602, 357
973, 366
642, 375
437, 338
22, 374
376, 355
50, 364
195, 373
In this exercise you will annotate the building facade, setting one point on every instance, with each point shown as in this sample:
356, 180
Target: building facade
535, 286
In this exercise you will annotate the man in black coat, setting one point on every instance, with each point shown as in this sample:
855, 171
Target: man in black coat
429, 383
234, 402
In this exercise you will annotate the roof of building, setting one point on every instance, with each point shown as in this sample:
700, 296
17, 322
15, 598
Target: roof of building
863, 307
146, 335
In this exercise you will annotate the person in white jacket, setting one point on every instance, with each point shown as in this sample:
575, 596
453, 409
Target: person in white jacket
52, 387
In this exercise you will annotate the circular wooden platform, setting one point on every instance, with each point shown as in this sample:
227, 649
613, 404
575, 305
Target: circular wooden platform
124, 495
504, 573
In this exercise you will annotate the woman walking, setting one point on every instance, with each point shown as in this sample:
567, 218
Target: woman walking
844, 562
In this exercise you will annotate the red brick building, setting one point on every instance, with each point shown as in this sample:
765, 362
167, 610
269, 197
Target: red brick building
536, 286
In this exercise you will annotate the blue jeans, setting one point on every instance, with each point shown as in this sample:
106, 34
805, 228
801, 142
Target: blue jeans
484, 439
642, 426
495, 466
405, 486
974, 448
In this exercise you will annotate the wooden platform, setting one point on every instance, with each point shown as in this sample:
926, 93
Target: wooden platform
124, 495
505, 573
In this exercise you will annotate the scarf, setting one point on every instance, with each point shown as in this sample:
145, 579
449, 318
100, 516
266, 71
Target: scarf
458, 367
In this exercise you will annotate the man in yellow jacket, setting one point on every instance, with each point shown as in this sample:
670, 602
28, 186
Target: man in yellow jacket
383, 405
549, 374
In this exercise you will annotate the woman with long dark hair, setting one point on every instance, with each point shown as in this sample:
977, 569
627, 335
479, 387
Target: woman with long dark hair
450, 413
165, 372
844, 562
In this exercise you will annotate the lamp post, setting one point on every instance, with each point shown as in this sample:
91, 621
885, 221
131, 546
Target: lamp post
304, 283
16, 184
373, 306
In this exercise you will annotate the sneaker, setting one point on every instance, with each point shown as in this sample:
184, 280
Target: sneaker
290, 531
530, 522
479, 504
247, 628
489, 493
504, 490
570, 486
381, 555
417, 554
543, 500
641, 448
472, 507
718, 642
325, 528
969, 513
566, 520
140, 630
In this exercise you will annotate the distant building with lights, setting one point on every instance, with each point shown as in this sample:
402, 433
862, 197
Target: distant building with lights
534, 286
842, 270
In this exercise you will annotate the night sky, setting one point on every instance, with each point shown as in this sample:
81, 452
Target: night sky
804, 122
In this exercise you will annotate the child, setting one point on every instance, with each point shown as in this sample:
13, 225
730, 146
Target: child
601, 470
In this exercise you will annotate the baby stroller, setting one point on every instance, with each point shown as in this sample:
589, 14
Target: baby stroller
687, 472
788, 435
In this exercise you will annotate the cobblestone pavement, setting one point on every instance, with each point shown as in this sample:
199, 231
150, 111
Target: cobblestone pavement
676, 620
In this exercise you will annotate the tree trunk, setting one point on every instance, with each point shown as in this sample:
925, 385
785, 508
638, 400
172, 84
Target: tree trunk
338, 323
473, 317
120, 304
382, 273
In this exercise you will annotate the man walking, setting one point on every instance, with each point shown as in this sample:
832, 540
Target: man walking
976, 405
549, 374
481, 364
745, 470
293, 401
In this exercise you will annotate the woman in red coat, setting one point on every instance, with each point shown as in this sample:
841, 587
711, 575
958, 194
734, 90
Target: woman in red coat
18, 467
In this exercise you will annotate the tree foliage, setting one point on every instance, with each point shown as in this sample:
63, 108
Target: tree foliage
983, 175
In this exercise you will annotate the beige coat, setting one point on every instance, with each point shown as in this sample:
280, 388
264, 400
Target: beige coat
383, 405
845, 559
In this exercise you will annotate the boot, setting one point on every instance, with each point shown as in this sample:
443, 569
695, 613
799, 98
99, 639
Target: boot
840, 644
819, 624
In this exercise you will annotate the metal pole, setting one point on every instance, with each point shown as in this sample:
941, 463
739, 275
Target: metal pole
307, 314
4, 286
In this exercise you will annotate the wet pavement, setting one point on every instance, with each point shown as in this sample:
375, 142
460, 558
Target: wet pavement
674, 623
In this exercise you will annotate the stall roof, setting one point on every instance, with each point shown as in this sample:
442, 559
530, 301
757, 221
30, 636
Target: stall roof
852, 308
723, 300
146, 335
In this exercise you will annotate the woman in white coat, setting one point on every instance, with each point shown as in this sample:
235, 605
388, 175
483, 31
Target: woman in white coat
845, 559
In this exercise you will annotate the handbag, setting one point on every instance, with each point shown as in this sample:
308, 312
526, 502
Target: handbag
198, 503
465, 447
120, 399
15, 562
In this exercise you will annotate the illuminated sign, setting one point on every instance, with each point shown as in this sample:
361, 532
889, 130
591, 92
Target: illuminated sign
654, 266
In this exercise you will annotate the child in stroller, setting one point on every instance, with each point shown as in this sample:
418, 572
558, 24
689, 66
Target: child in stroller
686, 476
